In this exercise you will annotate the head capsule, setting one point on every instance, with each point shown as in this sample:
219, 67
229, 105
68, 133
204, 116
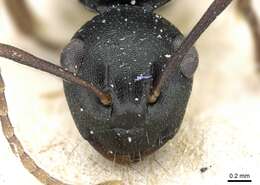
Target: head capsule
124, 50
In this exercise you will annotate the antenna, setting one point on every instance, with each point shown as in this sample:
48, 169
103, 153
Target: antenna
27, 59
208, 17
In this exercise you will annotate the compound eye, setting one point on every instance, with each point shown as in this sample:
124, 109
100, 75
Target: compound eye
190, 63
73, 55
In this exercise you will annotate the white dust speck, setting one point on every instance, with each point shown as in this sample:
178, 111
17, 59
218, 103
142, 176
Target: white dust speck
133, 2
91, 132
104, 21
129, 139
167, 55
122, 65
142, 77
136, 99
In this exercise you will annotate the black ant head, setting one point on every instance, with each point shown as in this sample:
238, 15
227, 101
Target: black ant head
130, 76
124, 51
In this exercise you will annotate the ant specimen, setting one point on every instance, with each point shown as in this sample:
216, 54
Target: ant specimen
127, 85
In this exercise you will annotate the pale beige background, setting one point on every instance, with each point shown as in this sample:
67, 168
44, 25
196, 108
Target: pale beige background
221, 128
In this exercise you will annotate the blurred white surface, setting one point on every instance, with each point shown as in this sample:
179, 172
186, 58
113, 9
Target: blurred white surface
221, 126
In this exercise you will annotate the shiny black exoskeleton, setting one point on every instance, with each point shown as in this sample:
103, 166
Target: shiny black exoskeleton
124, 50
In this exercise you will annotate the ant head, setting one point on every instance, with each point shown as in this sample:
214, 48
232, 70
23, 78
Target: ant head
125, 52
143, 62
104, 5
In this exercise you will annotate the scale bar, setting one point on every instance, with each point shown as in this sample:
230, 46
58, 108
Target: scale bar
239, 180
